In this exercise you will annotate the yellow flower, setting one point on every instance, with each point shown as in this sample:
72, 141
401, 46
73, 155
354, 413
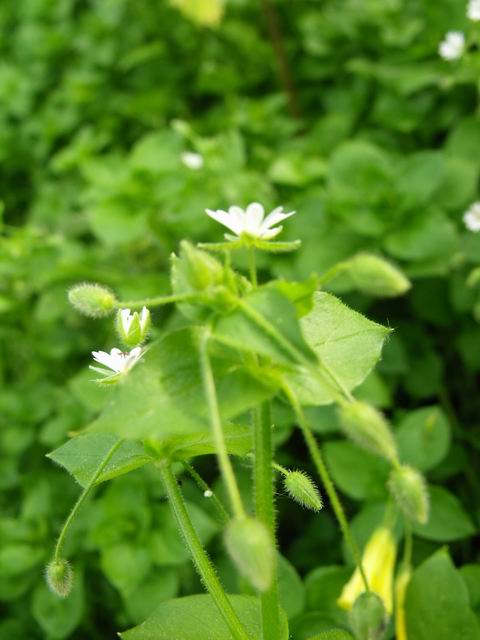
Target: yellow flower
401, 584
378, 563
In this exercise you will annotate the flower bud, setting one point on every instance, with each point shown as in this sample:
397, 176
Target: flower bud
409, 489
303, 490
251, 548
368, 428
368, 617
377, 277
196, 270
133, 328
59, 577
92, 300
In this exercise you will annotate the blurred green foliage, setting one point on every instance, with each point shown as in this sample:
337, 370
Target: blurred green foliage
98, 101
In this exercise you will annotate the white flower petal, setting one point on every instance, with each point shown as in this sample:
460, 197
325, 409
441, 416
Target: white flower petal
271, 233
144, 318
224, 218
276, 216
238, 218
126, 319
253, 218
105, 358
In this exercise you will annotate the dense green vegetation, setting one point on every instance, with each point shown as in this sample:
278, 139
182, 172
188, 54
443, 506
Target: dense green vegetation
375, 145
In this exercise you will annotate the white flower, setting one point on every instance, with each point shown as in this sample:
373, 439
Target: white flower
117, 361
471, 217
126, 319
208, 493
251, 221
452, 46
192, 160
473, 10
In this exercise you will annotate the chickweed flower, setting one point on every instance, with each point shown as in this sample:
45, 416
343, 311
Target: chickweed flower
250, 222
471, 217
473, 10
133, 327
378, 563
452, 46
117, 363
192, 160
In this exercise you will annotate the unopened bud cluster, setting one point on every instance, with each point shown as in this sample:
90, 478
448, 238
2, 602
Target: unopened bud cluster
249, 544
409, 489
368, 428
59, 577
303, 490
377, 277
92, 300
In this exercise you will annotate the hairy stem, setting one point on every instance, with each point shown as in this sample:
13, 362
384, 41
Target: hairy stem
265, 510
82, 498
199, 555
324, 474
157, 302
217, 429
205, 489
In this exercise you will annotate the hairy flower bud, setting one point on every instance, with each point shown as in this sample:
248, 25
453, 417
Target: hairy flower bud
92, 300
368, 428
368, 617
251, 548
303, 490
59, 577
133, 328
377, 277
409, 489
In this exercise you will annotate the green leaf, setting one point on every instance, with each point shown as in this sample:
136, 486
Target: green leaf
81, 457
423, 438
324, 586
264, 314
437, 604
197, 618
333, 634
345, 341
448, 521
359, 474
163, 397
431, 235
290, 587
125, 565
160, 584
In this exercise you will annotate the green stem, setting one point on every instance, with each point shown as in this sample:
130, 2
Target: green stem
324, 474
205, 489
216, 425
81, 500
265, 510
252, 265
332, 273
199, 555
157, 302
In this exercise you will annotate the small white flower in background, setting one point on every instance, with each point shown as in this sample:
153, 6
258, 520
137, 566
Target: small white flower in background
127, 318
117, 362
192, 160
251, 221
471, 217
452, 46
208, 493
132, 328
473, 10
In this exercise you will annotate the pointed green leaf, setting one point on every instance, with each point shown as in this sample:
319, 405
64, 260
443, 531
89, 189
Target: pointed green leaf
81, 457
346, 342
437, 602
265, 324
197, 618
